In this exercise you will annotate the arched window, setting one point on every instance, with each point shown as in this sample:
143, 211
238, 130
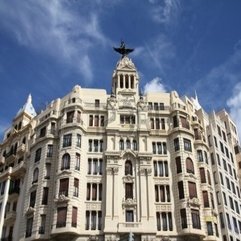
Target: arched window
189, 166
121, 81
35, 175
128, 168
121, 144
65, 161
128, 144
126, 81
132, 81
134, 143
24, 140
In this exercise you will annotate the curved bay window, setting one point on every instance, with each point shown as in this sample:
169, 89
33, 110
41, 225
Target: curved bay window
128, 168
65, 161
189, 166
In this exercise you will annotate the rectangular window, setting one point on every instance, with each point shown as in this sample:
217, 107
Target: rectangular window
77, 161
176, 144
78, 142
29, 227
70, 117
67, 140
187, 145
42, 132
61, 217
129, 190
74, 216
97, 103
181, 190
32, 199
129, 216
76, 187
64, 187
195, 219
202, 175
209, 228
205, 199
192, 190
45, 196
38, 155
178, 164
43, 222
49, 150
183, 218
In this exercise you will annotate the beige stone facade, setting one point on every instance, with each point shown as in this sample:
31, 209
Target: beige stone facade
94, 166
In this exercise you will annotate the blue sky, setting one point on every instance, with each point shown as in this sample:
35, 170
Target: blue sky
47, 47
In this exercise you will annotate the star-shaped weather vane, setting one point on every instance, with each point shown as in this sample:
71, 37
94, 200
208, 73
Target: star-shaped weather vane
123, 50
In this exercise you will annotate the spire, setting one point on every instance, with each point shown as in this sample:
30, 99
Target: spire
28, 107
196, 101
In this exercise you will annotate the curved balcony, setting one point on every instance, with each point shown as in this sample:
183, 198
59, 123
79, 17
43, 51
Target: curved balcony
75, 122
10, 217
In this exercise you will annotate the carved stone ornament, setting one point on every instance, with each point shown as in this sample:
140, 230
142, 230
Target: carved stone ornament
129, 203
62, 198
112, 102
125, 62
109, 170
166, 238
115, 170
128, 179
30, 211
142, 105
194, 202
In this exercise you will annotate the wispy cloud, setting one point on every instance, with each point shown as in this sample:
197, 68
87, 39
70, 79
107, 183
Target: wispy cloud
160, 51
220, 80
154, 85
54, 28
234, 103
165, 11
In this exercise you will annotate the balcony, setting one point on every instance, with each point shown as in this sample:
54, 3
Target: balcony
14, 192
19, 169
129, 202
21, 149
10, 156
125, 227
10, 217
71, 122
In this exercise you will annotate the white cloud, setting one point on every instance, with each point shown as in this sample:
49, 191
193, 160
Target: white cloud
234, 103
165, 11
154, 85
54, 28
160, 51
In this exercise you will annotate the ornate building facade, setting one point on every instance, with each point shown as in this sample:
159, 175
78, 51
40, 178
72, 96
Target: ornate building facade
94, 166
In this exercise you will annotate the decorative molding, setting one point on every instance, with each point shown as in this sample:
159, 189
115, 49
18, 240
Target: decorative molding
61, 198
129, 202
128, 179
